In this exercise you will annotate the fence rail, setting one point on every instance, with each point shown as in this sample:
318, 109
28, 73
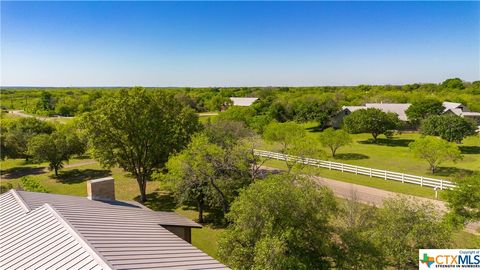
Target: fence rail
386, 175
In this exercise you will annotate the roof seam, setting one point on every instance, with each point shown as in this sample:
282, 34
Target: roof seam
77, 235
20, 200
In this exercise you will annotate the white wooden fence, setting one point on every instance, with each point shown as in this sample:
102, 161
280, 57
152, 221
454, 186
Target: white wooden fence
386, 175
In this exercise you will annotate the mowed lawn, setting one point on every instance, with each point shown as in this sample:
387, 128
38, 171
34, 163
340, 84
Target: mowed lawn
395, 155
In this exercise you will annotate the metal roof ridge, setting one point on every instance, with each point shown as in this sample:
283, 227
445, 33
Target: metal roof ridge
20, 200
80, 239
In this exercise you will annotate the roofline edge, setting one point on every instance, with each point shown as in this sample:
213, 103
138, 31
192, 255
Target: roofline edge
20, 200
83, 242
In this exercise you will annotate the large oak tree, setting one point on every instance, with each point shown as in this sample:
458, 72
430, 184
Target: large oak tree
138, 130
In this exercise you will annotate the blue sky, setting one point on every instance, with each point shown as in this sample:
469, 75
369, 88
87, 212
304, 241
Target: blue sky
237, 43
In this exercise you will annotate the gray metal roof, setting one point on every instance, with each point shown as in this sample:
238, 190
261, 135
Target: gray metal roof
243, 101
398, 108
124, 235
67, 203
40, 239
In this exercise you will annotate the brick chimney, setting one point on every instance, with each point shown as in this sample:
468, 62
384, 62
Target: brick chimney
102, 189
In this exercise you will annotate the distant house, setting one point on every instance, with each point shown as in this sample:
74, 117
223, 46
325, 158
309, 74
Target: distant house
243, 101
49, 231
461, 110
398, 108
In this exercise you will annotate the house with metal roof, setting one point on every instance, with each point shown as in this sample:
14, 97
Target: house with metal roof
461, 110
243, 101
50, 231
397, 108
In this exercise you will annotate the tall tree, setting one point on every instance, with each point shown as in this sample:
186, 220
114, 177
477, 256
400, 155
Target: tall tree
334, 139
54, 148
190, 173
315, 109
452, 128
278, 223
464, 199
208, 174
453, 83
373, 121
435, 151
422, 109
138, 131
293, 140
16, 134
405, 226
357, 248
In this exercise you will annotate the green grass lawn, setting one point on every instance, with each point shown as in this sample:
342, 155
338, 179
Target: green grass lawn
394, 155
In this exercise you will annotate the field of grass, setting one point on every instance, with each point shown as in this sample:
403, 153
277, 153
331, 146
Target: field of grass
394, 155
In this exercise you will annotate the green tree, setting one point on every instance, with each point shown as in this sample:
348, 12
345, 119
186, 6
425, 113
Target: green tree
334, 139
453, 83
405, 226
54, 148
16, 134
138, 131
46, 101
279, 223
373, 121
435, 151
357, 247
315, 109
452, 128
206, 173
293, 140
464, 199
226, 133
239, 114
422, 109
190, 173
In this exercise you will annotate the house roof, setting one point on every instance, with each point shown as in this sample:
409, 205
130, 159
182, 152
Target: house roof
471, 113
353, 108
243, 101
398, 108
104, 235
450, 105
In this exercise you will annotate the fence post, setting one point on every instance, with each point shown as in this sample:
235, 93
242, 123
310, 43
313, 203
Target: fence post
441, 184
370, 172
385, 172
356, 170
330, 165
403, 178
342, 167
421, 181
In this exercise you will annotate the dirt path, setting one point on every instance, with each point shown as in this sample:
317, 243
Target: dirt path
81, 163
375, 196
42, 118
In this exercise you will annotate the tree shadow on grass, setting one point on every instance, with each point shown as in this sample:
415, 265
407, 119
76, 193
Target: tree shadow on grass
165, 201
469, 150
159, 201
76, 176
215, 218
388, 142
315, 129
351, 156
18, 172
452, 171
